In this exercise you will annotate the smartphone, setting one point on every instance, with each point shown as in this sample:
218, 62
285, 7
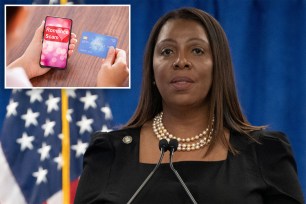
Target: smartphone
55, 45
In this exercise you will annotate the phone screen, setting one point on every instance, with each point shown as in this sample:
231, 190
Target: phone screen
56, 39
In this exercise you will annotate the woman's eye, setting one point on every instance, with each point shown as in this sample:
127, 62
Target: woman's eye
166, 52
198, 51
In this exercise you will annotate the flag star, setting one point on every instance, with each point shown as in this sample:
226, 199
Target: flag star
53, 2
40, 175
52, 103
59, 161
35, 95
80, 148
11, 108
16, 90
44, 151
107, 112
25, 141
68, 115
71, 93
105, 129
85, 124
48, 127
30, 118
89, 100
60, 136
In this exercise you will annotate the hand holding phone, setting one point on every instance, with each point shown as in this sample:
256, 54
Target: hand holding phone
30, 59
56, 39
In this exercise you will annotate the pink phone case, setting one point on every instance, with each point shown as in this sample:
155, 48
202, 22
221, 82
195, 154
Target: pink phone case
56, 39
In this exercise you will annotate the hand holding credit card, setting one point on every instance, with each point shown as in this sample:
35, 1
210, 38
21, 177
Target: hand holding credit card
96, 44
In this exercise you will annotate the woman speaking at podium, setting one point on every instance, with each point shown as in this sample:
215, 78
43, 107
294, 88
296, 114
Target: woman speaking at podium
189, 95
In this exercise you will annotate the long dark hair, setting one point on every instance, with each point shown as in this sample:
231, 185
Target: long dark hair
224, 104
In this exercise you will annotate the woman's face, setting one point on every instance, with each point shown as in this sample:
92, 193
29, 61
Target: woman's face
183, 63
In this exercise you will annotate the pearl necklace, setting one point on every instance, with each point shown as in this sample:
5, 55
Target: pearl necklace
185, 144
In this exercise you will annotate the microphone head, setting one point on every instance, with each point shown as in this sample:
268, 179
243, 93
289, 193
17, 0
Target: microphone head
163, 144
173, 144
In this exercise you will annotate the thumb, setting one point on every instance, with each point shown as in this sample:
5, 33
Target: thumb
111, 55
121, 56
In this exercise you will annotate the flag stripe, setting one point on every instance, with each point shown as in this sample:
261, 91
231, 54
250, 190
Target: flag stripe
55, 198
65, 149
12, 194
73, 188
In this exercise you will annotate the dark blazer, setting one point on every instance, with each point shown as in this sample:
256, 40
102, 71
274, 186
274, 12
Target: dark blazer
260, 173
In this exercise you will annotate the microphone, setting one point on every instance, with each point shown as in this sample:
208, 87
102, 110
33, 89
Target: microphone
163, 146
173, 144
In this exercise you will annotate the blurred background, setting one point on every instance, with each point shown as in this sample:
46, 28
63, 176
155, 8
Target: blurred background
268, 47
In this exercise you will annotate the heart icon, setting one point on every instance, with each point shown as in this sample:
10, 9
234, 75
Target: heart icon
62, 33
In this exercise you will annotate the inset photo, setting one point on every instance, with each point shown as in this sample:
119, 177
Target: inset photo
67, 46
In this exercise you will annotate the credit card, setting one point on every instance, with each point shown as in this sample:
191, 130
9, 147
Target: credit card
96, 44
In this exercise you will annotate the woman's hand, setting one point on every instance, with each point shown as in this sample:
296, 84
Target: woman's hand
114, 71
29, 61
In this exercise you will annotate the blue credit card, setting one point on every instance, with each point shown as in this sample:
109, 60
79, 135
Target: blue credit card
96, 44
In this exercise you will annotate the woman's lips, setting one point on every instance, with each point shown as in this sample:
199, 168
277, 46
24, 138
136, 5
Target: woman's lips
181, 83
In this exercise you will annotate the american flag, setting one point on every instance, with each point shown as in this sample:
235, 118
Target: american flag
31, 151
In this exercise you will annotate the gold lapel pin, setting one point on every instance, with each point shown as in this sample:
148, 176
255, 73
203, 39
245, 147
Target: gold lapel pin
127, 139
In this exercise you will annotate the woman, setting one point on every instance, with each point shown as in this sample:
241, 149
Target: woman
188, 93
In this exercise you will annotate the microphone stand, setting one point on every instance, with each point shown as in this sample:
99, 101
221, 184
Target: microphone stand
163, 144
173, 146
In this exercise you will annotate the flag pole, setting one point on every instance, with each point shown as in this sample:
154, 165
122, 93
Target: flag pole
63, 1
65, 149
